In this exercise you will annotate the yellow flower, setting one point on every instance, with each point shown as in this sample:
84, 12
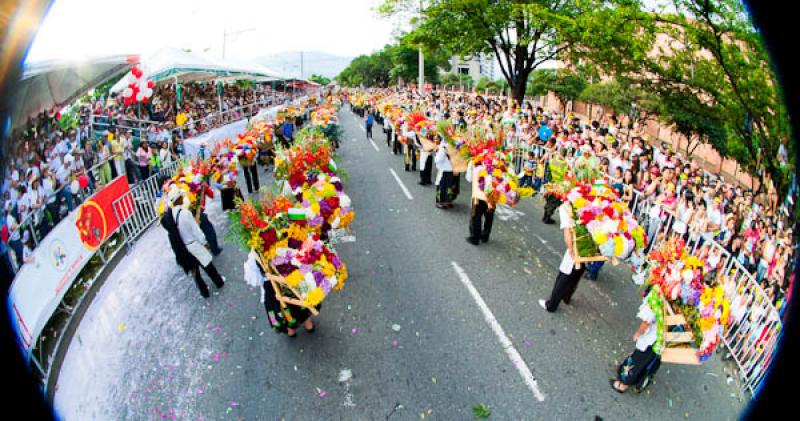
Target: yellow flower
255, 242
315, 208
497, 173
294, 278
314, 297
341, 276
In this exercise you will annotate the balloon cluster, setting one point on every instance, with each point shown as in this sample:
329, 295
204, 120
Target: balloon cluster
139, 89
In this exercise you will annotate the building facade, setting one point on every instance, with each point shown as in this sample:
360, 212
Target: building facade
474, 66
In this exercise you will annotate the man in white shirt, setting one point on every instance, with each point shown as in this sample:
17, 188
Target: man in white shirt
194, 241
569, 272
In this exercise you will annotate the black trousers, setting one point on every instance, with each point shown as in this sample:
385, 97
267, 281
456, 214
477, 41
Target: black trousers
564, 287
425, 174
251, 177
369, 131
212, 273
411, 157
210, 233
388, 133
552, 203
398, 147
480, 222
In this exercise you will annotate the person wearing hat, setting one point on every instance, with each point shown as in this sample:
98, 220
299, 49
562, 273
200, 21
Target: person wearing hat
188, 242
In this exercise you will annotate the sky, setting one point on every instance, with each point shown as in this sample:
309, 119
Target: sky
75, 29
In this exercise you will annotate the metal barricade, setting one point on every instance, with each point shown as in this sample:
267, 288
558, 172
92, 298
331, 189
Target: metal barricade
755, 325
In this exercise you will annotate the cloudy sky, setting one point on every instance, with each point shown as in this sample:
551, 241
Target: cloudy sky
85, 28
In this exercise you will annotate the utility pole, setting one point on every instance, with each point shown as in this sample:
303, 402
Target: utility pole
421, 85
301, 65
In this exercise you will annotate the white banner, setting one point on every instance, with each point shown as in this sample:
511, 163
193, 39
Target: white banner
191, 146
40, 285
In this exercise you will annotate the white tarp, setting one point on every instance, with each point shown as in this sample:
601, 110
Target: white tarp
53, 84
191, 146
168, 64
40, 286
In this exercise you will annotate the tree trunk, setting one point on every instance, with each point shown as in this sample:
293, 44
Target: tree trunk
518, 91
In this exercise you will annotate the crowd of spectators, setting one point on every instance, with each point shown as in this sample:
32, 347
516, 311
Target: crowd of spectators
49, 169
699, 206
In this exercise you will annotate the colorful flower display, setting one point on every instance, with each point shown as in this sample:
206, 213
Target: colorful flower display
679, 277
498, 180
612, 227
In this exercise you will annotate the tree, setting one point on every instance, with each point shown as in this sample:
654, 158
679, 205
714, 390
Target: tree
388, 66
522, 35
450, 80
322, 80
711, 52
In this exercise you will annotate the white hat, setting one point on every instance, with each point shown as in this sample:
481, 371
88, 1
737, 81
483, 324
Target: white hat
68, 158
174, 194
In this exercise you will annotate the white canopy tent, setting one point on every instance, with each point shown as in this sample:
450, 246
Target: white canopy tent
49, 84
170, 65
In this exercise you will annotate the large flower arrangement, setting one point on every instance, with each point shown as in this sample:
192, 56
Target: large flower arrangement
497, 179
245, 148
224, 170
190, 177
309, 268
679, 277
324, 115
612, 228
309, 156
322, 205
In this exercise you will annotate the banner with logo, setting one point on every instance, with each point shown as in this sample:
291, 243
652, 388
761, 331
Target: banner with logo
41, 284
96, 220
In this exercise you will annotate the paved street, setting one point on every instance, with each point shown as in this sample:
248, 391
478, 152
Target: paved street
427, 326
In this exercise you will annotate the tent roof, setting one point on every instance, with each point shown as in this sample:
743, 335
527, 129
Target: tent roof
55, 83
168, 64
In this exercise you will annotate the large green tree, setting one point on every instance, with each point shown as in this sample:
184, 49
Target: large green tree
393, 63
709, 67
521, 35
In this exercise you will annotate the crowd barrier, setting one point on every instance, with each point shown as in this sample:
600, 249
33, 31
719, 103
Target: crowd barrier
755, 325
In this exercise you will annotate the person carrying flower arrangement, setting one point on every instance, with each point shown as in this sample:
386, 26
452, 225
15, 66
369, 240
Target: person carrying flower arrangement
640, 366
445, 181
569, 272
483, 207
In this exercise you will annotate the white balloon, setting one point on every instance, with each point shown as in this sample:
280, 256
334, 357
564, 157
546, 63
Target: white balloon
131, 78
148, 92
127, 92
140, 96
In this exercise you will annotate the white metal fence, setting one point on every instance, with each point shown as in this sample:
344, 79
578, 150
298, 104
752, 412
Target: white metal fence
755, 324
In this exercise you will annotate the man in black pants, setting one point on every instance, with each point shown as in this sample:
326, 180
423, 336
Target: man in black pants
188, 243
482, 212
251, 177
410, 150
570, 272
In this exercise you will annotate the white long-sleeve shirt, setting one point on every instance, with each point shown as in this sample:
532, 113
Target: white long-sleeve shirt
442, 160
187, 226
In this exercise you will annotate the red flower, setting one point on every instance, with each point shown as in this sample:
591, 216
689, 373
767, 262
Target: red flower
270, 237
333, 202
609, 211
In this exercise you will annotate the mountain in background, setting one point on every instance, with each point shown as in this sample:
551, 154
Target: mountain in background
314, 62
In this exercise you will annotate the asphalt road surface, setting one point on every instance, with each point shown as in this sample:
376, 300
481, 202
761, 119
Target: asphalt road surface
427, 327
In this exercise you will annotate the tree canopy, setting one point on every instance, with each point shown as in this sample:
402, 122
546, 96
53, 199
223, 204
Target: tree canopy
393, 63
521, 35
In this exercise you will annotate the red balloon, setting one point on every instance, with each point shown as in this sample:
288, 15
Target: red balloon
145, 99
83, 181
150, 84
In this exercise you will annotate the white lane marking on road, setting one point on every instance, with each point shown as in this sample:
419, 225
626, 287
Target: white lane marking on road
505, 342
541, 239
402, 186
353, 139
374, 145
363, 129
